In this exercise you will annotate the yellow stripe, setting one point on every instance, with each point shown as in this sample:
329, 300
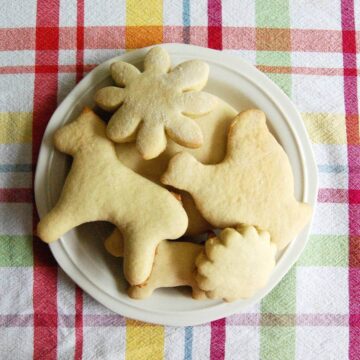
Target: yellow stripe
144, 12
144, 341
15, 127
325, 128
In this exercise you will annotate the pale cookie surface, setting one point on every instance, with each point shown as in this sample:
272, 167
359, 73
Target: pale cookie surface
253, 185
214, 126
156, 102
174, 265
100, 187
236, 264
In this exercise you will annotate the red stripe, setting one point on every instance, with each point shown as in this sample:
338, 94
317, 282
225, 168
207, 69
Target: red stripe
333, 195
45, 101
112, 37
29, 69
79, 75
44, 69
78, 323
215, 24
218, 328
354, 196
80, 41
17, 195
218, 335
352, 131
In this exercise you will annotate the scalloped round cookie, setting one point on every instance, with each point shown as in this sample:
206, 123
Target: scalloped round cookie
235, 264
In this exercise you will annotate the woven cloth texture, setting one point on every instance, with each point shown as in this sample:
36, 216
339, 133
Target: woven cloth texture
309, 48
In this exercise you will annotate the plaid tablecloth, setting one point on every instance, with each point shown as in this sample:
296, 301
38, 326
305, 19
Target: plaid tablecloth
308, 48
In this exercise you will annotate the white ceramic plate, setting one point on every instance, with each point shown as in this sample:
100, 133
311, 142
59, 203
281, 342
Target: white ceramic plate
80, 252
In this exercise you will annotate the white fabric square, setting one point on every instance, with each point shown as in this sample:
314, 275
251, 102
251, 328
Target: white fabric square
15, 180
317, 60
314, 93
92, 307
106, 343
242, 342
97, 57
16, 343
240, 13
248, 55
16, 93
322, 343
357, 12
16, 218
66, 341
332, 165
199, 13
17, 58
68, 13
201, 342
16, 288
330, 154
67, 57
322, 290
105, 12
18, 14
309, 14
65, 294
333, 178
331, 219
174, 343
173, 13
15, 154
66, 82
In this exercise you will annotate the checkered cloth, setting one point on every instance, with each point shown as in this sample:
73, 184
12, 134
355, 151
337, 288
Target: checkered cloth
308, 48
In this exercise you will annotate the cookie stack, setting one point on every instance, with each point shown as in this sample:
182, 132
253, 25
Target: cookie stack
175, 161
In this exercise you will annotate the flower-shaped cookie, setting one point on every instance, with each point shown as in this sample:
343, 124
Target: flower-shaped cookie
236, 264
157, 102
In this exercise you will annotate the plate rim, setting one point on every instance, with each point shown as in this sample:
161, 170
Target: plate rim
293, 252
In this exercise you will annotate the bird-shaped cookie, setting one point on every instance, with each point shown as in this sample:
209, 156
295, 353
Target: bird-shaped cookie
253, 185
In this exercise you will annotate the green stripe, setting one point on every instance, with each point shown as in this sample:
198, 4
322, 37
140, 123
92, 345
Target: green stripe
325, 250
277, 340
16, 251
273, 14
278, 309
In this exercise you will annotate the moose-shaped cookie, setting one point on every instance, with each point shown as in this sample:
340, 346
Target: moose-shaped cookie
100, 187
253, 185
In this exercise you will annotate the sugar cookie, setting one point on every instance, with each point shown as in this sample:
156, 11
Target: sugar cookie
156, 102
214, 126
100, 187
235, 264
253, 185
174, 265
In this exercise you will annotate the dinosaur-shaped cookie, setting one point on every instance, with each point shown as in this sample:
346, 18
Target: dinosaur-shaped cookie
253, 185
174, 265
235, 264
100, 187
156, 102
